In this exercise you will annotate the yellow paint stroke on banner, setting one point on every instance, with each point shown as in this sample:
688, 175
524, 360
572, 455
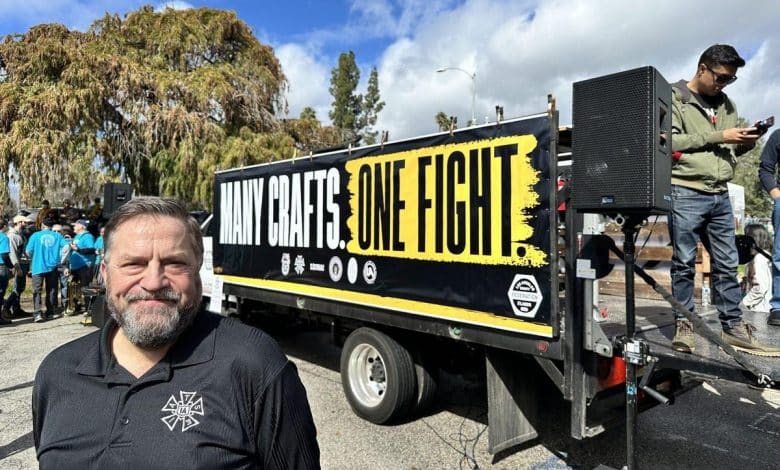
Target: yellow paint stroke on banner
466, 202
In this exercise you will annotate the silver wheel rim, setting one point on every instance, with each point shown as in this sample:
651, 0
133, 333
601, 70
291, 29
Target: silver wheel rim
367, 377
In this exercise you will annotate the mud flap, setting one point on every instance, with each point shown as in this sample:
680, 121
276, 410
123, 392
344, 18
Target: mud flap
512, 396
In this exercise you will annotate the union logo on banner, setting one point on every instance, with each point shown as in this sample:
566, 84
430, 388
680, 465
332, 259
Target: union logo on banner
525, 296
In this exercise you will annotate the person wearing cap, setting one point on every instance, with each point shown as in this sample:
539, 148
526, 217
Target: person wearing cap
82, 259
5, 264
44, 250
19, 266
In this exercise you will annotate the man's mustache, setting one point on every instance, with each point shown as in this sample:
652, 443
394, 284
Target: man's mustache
167, 294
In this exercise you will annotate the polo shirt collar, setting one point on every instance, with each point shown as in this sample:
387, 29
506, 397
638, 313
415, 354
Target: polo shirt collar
194, 346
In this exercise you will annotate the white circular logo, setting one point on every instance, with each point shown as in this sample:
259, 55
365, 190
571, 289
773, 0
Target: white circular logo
335, 269
369, 272
525, 296
285, 264
352, 270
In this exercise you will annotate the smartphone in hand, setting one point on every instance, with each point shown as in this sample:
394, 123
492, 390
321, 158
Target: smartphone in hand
764, 125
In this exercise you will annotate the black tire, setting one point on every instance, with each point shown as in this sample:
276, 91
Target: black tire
427, 375
378, 376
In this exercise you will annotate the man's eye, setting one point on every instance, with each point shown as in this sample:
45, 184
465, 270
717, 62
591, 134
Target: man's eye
176, 266
132, 266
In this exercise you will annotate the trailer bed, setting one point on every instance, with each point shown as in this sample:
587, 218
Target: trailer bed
655, 323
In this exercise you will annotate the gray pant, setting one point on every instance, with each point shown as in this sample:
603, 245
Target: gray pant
49, 280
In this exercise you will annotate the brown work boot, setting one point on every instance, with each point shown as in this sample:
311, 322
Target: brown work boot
683, 340
740, 336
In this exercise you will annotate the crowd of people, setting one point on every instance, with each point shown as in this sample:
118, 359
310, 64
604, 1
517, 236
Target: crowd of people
59, 250
158, 339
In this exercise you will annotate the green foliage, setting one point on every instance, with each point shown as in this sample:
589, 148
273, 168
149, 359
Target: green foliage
757, 201
161, 99
309, 134
371, 107
442, 121
346, 104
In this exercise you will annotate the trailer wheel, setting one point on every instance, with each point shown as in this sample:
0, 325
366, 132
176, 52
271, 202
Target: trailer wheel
378, 376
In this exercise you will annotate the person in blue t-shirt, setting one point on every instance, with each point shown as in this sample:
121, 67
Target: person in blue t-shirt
99, 250
44, 250
5, 265
82, 260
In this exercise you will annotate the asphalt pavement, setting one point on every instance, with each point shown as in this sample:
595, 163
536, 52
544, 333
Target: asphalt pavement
719, 425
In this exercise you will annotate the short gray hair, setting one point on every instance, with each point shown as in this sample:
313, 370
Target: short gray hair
154, 206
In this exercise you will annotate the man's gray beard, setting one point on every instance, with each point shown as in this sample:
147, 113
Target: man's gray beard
170, 321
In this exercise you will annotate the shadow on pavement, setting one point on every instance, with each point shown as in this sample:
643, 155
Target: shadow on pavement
17, 445
17, 387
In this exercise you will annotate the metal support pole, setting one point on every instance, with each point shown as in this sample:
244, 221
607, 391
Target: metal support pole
473, 77
631, 380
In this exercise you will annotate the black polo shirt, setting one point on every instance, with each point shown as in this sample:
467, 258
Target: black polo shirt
224, 396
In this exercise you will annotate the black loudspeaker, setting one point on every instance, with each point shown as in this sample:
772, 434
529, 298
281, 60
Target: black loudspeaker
621, 143
114, 195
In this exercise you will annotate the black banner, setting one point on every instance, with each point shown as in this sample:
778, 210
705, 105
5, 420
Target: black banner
454, 226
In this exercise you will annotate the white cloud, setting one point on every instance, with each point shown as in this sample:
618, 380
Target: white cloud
74, 14
173, 4
521, 51
308, 78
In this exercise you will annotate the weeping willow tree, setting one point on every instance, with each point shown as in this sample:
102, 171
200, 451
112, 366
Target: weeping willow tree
161, 99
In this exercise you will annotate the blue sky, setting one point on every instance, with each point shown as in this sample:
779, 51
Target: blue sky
317, 23
520, 50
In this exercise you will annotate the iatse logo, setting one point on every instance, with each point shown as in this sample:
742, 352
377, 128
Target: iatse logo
183, 411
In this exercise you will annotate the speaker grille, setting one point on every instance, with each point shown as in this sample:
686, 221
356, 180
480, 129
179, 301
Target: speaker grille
620, 162
114, 195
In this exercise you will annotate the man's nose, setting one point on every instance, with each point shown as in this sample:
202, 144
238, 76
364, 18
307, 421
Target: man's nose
154, 277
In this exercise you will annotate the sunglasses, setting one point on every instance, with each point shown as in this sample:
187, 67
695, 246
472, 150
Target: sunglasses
722, 78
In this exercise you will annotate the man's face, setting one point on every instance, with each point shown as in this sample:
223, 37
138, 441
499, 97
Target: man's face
153, 287
713, 79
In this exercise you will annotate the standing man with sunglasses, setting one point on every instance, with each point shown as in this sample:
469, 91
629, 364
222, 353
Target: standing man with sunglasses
706, 143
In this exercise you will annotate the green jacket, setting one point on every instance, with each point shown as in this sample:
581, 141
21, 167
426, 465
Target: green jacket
705, 163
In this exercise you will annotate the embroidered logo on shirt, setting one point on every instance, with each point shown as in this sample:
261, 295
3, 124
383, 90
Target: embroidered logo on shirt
183, 410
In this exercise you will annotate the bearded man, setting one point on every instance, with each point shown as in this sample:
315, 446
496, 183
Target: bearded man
166, 384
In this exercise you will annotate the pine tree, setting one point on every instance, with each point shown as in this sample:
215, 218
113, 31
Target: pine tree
371, 107
346, 104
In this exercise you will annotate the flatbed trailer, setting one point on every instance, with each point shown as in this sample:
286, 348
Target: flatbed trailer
454, 250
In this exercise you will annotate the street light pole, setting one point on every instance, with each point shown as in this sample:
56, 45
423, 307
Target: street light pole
473, 77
